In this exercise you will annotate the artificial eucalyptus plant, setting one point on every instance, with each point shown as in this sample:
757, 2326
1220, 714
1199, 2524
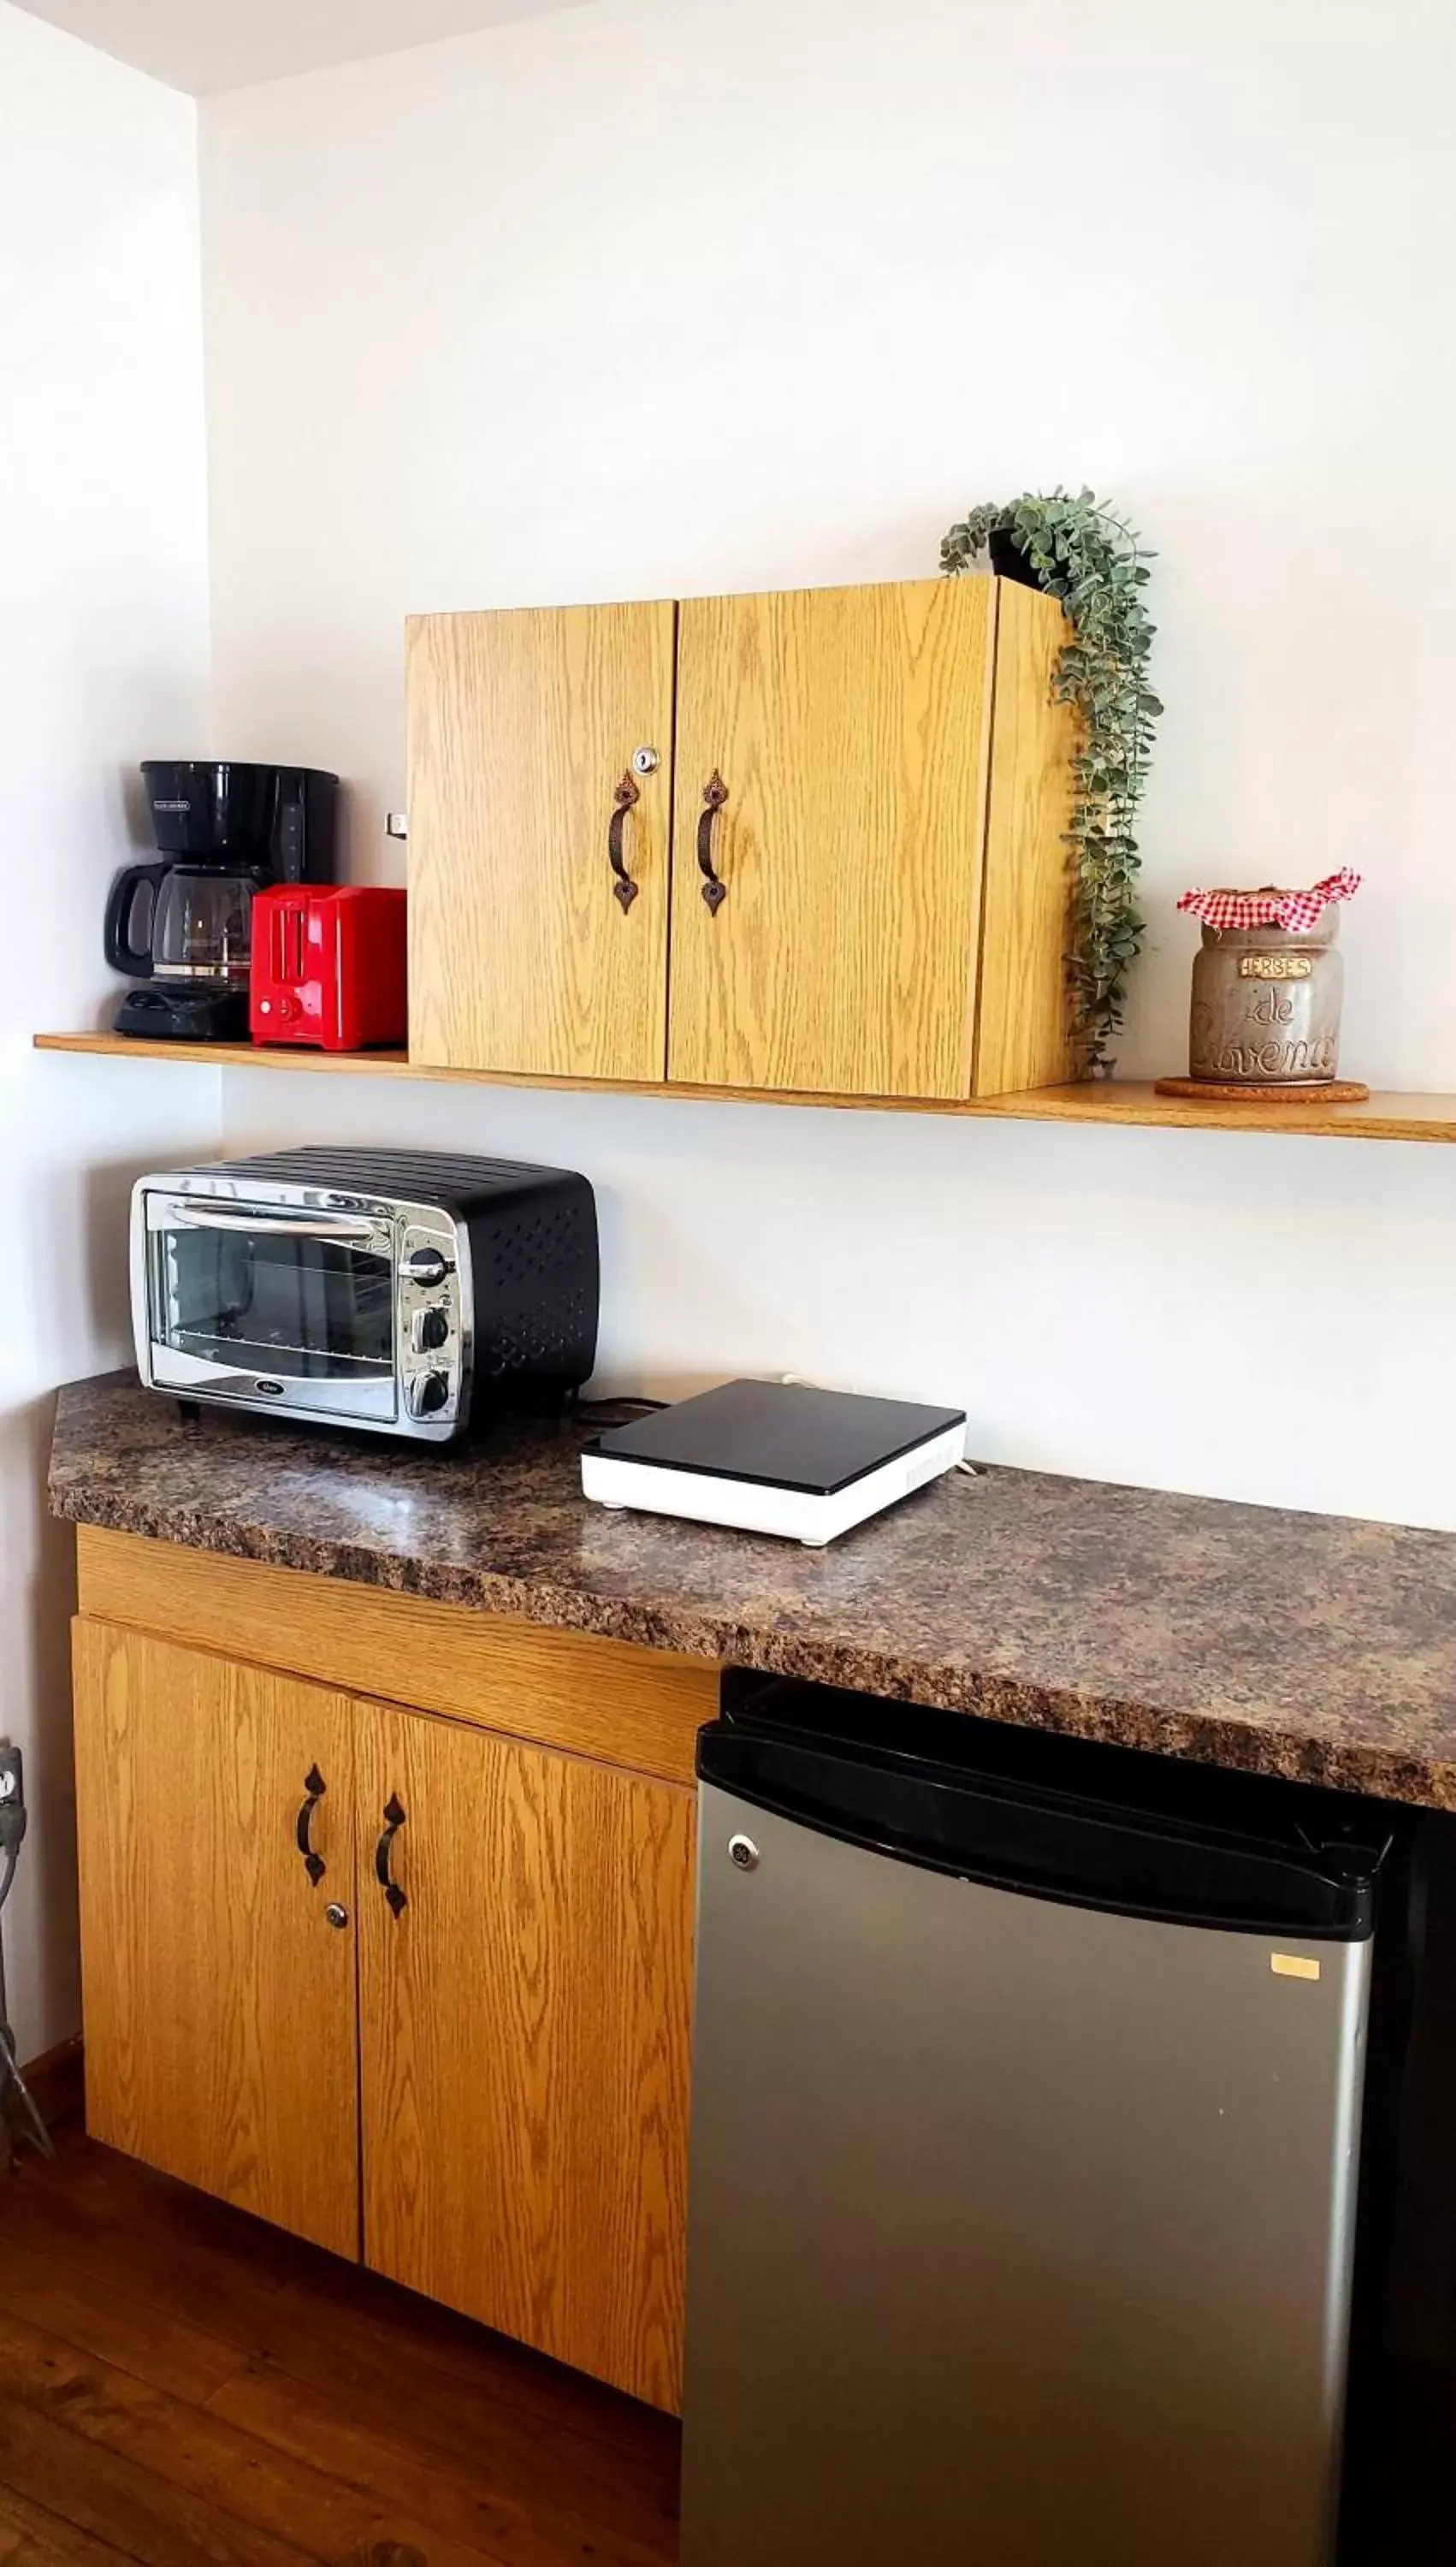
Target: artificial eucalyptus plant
1090, 558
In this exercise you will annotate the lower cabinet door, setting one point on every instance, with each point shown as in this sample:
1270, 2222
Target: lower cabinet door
526, 1960
219, 1997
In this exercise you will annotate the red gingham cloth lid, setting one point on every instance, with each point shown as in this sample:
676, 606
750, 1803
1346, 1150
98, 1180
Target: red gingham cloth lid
1296, 909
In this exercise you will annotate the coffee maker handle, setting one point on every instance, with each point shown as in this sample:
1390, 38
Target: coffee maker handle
122, 954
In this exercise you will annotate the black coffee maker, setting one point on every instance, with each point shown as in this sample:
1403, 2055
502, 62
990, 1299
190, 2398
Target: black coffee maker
183, 926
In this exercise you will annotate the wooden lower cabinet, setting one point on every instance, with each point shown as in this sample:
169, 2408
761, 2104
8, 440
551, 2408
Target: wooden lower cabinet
496, 2033
218, 2001
524, 2020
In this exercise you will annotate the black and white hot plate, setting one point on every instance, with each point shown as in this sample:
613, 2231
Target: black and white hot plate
774, 1457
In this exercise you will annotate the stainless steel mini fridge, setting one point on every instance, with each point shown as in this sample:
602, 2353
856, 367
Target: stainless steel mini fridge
1027, 2105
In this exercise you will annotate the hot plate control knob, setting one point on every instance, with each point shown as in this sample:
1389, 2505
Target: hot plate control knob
428, 1393
426, 1266
432, 1327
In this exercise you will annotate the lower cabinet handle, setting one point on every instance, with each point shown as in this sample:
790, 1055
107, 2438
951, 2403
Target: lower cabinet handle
715, 889
623, 889
394, 1820
313, 1788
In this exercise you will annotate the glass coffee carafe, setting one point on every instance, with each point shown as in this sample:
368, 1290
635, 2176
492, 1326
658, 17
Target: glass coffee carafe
199, 927
185, 928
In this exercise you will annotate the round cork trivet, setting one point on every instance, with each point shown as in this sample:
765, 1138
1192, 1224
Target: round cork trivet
1217, 1091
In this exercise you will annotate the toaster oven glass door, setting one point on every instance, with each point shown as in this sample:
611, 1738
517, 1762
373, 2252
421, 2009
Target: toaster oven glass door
296, 1310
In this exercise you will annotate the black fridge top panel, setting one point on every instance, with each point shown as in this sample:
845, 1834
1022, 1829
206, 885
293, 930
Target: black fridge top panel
1064, 1819
784, 1435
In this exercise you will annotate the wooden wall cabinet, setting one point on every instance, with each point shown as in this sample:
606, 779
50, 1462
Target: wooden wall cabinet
460, 2050
522, 728
809, 843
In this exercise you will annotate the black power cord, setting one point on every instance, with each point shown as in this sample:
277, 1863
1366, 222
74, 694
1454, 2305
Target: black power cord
13, 1819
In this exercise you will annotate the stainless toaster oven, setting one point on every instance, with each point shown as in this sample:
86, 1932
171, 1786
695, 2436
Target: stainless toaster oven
405, 1291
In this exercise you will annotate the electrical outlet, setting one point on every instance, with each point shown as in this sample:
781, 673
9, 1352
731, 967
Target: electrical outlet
12, 1801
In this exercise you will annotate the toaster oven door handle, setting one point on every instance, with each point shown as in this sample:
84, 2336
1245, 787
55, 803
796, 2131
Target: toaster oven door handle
273, 1225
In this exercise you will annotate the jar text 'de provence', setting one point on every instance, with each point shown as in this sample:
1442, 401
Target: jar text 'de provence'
1268, 985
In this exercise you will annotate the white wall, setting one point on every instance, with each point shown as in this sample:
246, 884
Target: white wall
658, 299
102, 658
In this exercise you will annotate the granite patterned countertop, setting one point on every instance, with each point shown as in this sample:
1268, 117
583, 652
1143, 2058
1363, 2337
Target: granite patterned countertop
1316, 1647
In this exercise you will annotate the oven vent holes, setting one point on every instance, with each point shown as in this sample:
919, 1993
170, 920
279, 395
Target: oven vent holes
535, 1246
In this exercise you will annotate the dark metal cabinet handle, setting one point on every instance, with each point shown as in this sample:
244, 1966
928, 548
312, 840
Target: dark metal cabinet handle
313, 1788
715, 889
394, 1820
623, 889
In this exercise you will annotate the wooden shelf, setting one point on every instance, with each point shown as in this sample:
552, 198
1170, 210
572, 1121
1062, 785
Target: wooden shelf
218, 1056
1388, 1115
1392, 1116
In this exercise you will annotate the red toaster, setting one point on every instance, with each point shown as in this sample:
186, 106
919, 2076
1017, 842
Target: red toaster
328, 966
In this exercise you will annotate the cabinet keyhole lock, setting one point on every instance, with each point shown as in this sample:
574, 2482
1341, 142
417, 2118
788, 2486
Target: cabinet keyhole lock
645, 760
744, 1851
338, 1916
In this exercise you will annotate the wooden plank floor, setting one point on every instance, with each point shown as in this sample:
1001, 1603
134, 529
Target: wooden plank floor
183, 2386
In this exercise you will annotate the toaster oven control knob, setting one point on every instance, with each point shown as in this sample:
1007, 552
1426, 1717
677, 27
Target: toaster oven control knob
428, 1393
432, 1327
426, 1266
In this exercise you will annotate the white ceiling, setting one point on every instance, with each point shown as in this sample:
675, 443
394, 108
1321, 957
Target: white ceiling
202, 45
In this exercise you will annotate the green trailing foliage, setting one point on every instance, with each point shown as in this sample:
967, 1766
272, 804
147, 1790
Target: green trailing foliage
1090, 558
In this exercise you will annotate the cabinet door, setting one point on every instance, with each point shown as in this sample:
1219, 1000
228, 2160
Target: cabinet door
528, 951
219, 2003
524, 2011
849, 729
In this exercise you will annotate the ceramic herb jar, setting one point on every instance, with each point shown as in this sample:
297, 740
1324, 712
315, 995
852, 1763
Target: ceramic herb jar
1268, 986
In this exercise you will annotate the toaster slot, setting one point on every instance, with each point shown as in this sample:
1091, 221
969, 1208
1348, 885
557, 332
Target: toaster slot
289, 939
